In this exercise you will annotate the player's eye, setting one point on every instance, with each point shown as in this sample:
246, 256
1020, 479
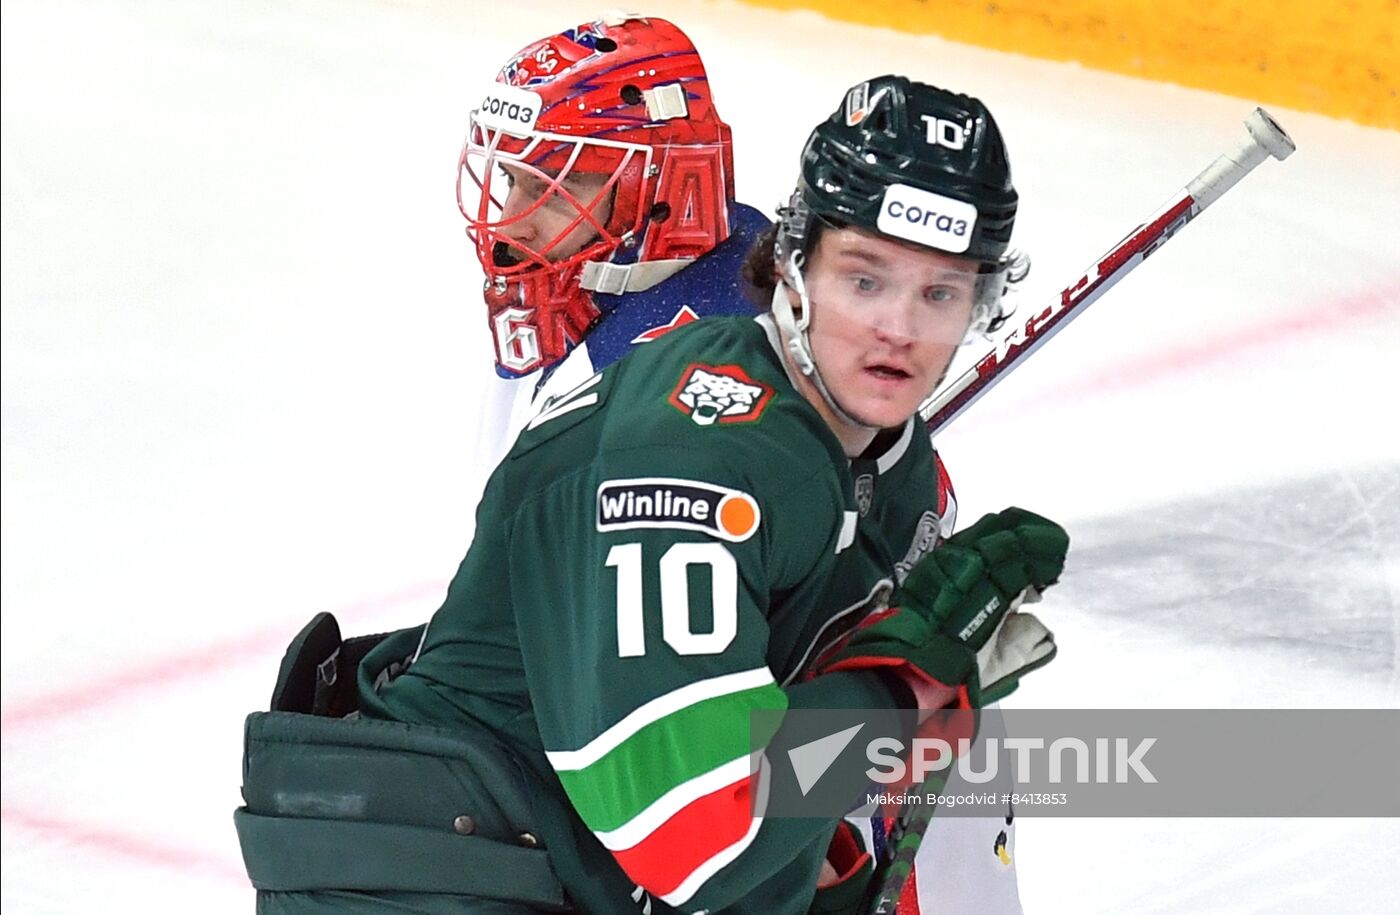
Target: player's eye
526, 183
865, 283
941, 295
581, 188
587, 191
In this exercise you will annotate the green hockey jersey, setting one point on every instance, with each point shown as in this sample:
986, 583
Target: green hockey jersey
664, 549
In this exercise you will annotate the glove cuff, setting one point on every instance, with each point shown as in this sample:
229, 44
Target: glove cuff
854, 867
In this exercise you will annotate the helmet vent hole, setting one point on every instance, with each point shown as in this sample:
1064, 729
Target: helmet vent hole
660, 212
606, 45
631, 95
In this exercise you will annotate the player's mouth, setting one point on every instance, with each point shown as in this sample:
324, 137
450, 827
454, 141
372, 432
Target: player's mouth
888, 372
503, 255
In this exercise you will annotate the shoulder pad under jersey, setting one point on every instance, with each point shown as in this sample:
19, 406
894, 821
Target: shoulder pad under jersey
710, 286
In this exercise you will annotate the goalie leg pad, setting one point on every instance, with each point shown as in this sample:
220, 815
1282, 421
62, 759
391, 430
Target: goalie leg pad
367, 809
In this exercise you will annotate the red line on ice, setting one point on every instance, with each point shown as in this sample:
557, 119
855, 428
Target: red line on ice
1370, 304
1381, 301
115, 686
59, 704
122, 845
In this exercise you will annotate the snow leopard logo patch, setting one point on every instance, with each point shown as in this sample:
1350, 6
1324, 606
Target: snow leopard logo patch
711, 394
865, 493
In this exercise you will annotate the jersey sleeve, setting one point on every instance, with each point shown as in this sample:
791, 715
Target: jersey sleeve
645, 651
947, 499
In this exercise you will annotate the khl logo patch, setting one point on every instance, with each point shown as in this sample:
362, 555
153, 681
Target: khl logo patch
925, 539
865, 492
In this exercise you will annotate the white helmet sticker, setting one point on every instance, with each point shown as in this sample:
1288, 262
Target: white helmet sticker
927, 219
510, 108
857, 104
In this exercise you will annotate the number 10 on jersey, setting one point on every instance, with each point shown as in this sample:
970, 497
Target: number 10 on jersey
674, 571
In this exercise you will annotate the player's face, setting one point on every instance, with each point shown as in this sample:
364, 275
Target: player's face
549, 222
886, 320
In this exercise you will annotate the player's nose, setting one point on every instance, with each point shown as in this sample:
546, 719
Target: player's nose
519, 217
896, 324
524, 228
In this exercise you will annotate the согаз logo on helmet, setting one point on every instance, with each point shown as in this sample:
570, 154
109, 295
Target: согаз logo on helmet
913, 214
511, 111
510, 108
926, 218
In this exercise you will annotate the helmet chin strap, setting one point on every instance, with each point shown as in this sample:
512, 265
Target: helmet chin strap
794, 333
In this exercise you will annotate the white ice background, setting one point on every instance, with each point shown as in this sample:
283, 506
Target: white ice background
243, 340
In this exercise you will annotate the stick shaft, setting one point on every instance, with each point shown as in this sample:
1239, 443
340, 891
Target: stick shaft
1265, 139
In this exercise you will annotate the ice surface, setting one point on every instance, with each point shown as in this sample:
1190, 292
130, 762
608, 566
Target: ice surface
242, 345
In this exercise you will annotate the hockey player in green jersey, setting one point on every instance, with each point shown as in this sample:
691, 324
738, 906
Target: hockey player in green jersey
742, 515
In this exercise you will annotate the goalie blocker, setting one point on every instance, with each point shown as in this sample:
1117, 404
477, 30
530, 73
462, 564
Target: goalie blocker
411, 814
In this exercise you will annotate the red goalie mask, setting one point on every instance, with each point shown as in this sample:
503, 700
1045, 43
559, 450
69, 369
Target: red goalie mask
596, 163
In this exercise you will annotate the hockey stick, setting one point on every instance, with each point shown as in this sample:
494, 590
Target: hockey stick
1265, 139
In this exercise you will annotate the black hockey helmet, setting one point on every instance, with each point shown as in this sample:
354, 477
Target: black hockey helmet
913, 162
917, 164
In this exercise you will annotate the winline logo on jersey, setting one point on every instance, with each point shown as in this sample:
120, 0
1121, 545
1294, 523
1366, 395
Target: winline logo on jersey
666, 502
